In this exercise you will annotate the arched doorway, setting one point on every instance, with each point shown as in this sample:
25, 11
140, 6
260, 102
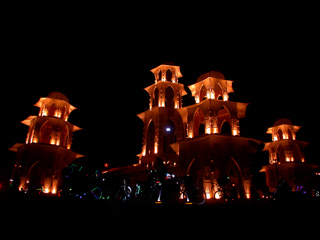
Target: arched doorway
169, 75
169, 97
150, 138
225, 128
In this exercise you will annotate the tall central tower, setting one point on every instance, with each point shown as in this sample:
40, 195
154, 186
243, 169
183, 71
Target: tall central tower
163, 124
46, 150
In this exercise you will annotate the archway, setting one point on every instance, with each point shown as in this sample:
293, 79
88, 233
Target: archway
280, 134
45, 132
150, 138
198, 120
169, 75
159, 75
169, 97
156, 97
281, 156
203, 93
225, 128
296, 153
290, 134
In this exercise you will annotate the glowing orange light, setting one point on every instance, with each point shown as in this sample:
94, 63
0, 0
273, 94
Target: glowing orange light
156, 148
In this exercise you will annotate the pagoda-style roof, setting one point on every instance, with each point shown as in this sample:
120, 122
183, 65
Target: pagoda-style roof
54, 96
209, 79
165, 67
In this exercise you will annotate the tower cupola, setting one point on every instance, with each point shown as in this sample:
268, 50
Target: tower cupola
167, 72
166, 91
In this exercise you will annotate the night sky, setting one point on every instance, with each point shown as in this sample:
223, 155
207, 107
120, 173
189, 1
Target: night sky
101, 57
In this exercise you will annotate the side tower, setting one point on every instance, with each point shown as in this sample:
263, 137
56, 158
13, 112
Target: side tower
213, 147
46, 150
286, 158
213, 113
162, 122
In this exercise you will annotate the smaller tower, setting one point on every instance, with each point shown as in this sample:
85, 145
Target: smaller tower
286, 158
46, 150
166, 92
163, 124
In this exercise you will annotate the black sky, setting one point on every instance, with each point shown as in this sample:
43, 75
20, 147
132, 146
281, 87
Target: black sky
101, 57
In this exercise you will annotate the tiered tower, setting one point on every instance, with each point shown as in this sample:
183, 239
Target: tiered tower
286, 158
212, 110
162, 122
47, 148
213, 147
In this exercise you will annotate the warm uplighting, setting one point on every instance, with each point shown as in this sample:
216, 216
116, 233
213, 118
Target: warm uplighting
57, 113
208, 195
52, 141
156, 148
44, 112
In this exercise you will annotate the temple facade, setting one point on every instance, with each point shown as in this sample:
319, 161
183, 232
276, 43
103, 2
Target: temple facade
286, 159
203, 139
47, 149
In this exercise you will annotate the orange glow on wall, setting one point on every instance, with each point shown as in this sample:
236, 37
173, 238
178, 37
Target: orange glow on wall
156, 148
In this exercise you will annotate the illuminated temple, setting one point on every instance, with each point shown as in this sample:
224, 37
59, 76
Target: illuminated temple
203, 139
47, 149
